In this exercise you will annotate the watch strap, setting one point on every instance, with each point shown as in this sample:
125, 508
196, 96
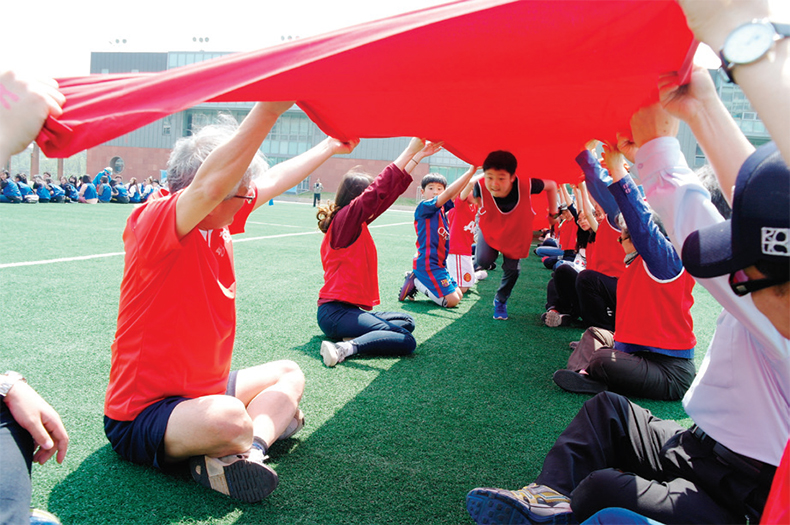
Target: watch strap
8, 380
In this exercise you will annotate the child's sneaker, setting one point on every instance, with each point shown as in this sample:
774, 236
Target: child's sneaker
408, 290
296, 424
531, 504
481, 275
42, 517
334, 353
553, 319
500, 310
243, 477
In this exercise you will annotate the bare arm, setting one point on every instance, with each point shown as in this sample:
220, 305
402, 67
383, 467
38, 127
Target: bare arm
470, 186
453, 189
699, 106
765, 82
225, 166
289, 173
587, 207
426, 150
550, 187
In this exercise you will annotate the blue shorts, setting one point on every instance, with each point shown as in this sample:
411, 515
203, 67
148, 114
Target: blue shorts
142, 440
438, 281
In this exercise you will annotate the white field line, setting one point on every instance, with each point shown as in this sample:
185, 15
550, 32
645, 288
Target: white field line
115, 254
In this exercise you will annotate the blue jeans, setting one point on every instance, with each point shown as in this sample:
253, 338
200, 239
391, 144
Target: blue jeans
379, 333
16, 458
549, 251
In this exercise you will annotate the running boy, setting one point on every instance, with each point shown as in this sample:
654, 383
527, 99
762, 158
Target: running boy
506, 220
430, 275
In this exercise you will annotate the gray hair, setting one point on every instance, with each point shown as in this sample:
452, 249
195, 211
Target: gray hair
189, 153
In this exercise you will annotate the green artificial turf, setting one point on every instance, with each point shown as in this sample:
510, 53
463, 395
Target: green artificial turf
387, 440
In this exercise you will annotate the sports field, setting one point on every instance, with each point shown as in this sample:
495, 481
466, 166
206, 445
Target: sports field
386, 440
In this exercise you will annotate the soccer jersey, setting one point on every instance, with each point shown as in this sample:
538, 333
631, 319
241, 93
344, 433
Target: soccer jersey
177, 313
433, 236
462, 227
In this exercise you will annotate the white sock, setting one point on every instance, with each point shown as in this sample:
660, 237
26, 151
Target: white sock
346, 349
441, 301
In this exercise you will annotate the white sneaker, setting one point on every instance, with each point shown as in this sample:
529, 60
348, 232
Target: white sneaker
241, 476
481, 275
331, 353
296, 424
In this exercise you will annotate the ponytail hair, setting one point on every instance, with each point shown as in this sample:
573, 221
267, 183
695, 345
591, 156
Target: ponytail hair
353, 184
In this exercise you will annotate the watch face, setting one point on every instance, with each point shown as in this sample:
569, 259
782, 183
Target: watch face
749, 42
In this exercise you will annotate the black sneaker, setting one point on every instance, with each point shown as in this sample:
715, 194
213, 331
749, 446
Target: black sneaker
243, 477
578, 383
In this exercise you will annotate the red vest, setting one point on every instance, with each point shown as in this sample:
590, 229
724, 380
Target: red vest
652, 312
509, 233
567, 235
351, 273
605, 254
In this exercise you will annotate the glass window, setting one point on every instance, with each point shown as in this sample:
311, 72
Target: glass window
105, 71
190, 58
182, 60
172, 61
283, 148
293, 148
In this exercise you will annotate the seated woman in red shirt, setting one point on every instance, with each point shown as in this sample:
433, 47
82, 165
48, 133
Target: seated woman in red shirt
348, 255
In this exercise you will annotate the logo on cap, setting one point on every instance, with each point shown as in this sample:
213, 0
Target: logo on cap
775, 241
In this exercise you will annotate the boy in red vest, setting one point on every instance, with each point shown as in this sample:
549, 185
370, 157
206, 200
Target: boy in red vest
506, 215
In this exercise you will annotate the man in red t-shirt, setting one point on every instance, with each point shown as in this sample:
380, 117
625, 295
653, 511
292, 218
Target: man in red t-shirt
172, 397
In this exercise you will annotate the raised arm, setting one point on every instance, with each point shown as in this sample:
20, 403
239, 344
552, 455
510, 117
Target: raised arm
550, 187
426, 150
766, 82
597, 178
225, 166
467, 190
289, 173
587, 207
453, 189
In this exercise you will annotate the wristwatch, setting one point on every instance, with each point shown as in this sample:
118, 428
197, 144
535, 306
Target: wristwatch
750, 42
8, 380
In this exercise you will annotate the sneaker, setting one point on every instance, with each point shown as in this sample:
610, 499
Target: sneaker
573, 344
331, 353
296, 424
578, 383
481, 275
553, 319
500, 310
243, 477
531, 504
42, 517
408, 290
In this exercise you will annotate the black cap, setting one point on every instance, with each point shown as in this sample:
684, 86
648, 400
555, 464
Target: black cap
760, 223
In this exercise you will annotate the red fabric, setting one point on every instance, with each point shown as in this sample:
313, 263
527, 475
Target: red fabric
642, 299
462, 226
605, 255
177, 314
536, 77
350, 274
508, 233
777, 508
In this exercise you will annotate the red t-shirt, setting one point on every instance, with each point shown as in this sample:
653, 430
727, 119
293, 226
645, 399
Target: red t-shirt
462, 226
177, 313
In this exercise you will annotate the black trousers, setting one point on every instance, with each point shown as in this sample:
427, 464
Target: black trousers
597, 295
16, 458
617, 454
511, 268
561, 291
642, 374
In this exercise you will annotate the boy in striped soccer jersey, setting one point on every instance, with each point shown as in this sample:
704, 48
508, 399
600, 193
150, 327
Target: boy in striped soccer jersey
430, 275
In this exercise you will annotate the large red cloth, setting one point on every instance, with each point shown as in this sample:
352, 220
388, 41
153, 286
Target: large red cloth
536, 77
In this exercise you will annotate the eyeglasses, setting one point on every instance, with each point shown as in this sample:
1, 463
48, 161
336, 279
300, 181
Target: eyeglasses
621, 239
250, 196
741, 285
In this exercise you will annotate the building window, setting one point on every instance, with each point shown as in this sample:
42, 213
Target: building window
117, 165
166, 125
105, 71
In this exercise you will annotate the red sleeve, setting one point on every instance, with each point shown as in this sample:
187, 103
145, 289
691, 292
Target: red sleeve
382, 192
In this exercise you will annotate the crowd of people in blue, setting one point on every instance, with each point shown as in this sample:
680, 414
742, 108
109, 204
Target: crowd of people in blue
627, 245
102, 188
